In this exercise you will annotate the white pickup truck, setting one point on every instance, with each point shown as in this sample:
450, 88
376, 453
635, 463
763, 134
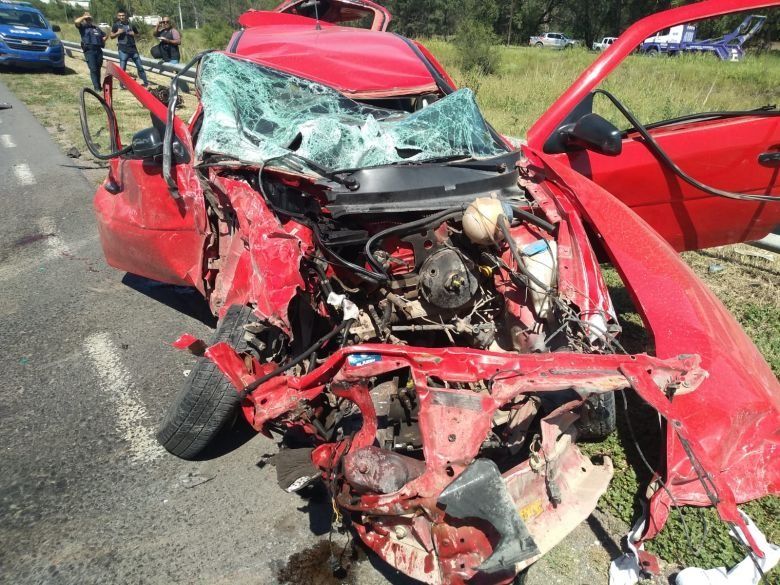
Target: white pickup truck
603, 44
553, 40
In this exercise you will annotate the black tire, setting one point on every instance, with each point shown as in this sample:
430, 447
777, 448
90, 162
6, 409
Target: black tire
208, 402
539, 45
597, 417
521, 578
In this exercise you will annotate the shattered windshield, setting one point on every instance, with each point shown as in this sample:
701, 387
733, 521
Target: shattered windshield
22, 18
254, 114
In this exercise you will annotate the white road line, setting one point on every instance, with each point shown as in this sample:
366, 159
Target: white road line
24, 175
7, 141
129, 413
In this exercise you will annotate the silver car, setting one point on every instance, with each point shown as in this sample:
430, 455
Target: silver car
553, 40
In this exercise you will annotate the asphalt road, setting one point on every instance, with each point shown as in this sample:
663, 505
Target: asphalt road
86, 494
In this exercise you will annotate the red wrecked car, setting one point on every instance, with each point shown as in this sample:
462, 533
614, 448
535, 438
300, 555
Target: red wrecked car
413, 303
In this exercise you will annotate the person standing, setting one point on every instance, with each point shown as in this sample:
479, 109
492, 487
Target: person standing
125, 32
92, 42
170, 39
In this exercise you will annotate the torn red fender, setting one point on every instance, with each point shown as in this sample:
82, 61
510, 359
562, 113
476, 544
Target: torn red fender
262, 265
740, 399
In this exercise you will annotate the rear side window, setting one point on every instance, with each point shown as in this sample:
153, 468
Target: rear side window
22, 18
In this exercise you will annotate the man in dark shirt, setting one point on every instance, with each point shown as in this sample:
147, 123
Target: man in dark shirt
125, 32
92, 41
170, 39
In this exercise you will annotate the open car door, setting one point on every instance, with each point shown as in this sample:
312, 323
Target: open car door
145, 227
735, 152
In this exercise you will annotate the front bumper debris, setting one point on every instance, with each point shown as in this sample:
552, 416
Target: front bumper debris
434, 526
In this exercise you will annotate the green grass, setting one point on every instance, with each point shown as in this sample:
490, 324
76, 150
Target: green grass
527, 81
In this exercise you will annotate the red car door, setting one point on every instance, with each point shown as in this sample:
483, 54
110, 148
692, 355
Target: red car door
735, 154
740, 155
144, 229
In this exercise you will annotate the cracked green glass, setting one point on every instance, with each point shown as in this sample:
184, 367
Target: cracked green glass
254, 114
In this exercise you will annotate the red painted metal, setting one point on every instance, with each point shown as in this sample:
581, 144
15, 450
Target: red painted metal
142, 228
453, 426
357, 62
740, 399
261, 262
623, 47
340, 11
723, 154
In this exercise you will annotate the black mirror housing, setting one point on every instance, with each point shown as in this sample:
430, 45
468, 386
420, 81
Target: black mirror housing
56, 28
147, 143
593, 132
582, 129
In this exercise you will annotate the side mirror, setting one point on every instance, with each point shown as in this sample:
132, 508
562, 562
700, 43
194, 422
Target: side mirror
582, 129
147, 143
98, 126
593, 132
56, 28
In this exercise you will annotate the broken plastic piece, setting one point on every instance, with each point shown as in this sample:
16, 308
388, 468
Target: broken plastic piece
480, 492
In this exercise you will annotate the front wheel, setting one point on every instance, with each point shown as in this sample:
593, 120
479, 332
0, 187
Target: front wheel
598, 419
539, 45
208, 402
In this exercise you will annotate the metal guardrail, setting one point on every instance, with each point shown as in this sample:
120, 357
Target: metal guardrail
152, 65
770, 243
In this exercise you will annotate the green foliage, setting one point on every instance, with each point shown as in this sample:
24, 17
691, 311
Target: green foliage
475, 44
144, 30
53, 10
762, 323
216, 35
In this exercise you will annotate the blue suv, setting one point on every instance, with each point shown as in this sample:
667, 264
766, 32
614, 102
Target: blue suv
27, 39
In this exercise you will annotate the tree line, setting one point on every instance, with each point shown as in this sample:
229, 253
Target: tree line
509, 21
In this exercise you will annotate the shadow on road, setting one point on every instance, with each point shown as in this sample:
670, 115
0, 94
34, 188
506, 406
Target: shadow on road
229, 439
37, 70
183, 299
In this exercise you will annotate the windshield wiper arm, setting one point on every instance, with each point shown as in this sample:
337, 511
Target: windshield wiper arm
307, 164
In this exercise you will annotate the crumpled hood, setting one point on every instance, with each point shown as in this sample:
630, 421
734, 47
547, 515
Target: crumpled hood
353, 61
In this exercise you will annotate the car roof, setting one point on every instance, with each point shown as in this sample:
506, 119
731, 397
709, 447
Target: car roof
357, 62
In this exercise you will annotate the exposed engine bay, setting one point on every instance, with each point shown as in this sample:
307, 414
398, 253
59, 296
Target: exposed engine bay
415, 373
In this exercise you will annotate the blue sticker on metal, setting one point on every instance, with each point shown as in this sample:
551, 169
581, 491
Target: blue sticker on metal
535, 247
363, 359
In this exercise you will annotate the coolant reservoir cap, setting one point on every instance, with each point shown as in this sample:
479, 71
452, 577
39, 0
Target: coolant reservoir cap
480, 220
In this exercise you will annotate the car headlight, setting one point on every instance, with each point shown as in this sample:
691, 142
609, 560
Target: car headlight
55, 42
